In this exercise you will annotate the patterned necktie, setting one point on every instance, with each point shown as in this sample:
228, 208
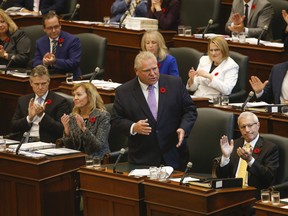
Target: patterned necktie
242, 171
54, 46
151, 100
246, 15
40, 100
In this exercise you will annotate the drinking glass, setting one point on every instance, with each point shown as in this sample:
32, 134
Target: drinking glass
2, 144
275, 197
265, 196
242, 37
188, 31
106, 20
224, 100
181, 30
235, 36
96, 162
89, 161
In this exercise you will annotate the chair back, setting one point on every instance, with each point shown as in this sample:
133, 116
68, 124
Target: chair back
278, 23
203, 141
192, 14
282, 143
68, 97
239, 91
93, 53
69, 6
34, 32
186, 58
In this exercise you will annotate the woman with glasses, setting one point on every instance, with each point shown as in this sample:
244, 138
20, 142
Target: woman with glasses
216, 74
14, 44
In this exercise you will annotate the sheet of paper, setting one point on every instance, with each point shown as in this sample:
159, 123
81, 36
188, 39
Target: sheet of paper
145, 172
186, 179
57, 151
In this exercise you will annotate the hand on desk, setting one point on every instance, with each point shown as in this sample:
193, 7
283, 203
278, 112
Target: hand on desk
256, 84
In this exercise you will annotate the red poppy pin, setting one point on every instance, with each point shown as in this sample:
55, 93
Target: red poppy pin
216, 74
256, 150
7, 40
163, 10
158, 64
253, 6
92, 119
162, 90
60, 41
49, 101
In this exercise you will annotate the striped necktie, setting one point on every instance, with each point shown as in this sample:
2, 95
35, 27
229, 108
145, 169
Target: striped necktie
242, 171
54, 46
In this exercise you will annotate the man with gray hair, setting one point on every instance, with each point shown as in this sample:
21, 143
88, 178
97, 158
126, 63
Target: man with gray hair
39, 113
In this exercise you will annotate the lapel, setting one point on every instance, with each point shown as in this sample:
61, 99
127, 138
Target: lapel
257, 148
162, 96
252, 11
49, 100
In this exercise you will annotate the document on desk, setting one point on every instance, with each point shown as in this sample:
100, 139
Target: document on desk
101, 84
33, 146
17, 73
250, 104
146, 172
57, 151
186, 179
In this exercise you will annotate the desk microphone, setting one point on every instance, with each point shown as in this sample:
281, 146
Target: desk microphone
265, 28
96, 72
188, 167
2, 3
210, 22
122, 152
74, 12
250, 95
123, 18
23, 140
9, 63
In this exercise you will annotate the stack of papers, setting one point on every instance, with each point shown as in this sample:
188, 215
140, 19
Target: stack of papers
250, 104
141, 23
33, 146
145, 172
101, 84
57, 151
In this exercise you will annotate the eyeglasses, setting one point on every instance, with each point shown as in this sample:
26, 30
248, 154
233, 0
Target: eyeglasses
53, 27
154, 69
247, 125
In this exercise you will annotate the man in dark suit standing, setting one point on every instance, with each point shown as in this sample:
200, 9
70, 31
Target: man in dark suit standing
273, 90
156, 113
40, 7
259, 157
58, 50
40, 113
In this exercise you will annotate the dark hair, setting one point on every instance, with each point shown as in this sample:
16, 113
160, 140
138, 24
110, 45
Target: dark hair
49, 15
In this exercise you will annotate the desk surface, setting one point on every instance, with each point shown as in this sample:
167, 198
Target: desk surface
268, 209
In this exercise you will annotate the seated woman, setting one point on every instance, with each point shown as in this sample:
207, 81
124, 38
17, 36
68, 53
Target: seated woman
167, 12
216, 74
87, 127
13, 43
154, 42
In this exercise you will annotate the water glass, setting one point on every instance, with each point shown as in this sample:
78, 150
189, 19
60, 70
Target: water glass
275, 197
235, 36
89, 161
96, 162
284, 110
242, 37
2, 144
162, 175
153, 173
69, 78
106, 20
265, 196
216, 100
188, 31
224, 100
181, 30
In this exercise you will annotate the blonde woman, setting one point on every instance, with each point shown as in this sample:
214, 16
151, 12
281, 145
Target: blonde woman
87, 127
13, 42
154, 42
216, 74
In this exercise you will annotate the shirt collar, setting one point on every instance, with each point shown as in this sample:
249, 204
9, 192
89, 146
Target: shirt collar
144, 86
253, 142
43, 97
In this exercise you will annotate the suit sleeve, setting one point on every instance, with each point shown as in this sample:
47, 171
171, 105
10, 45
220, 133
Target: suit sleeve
74, 55
38, 58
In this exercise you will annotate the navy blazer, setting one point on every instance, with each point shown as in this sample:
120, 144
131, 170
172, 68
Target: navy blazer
175, 110
50, 127
262, 173
68, 54
45, 5
272, 90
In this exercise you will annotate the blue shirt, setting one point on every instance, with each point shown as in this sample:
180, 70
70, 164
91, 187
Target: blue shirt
168, 66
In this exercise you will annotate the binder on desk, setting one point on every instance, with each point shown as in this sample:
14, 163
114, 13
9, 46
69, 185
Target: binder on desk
218, 183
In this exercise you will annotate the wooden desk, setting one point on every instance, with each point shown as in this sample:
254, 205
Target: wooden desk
107, 95
38, 187
106, 193
171, 199
261, 58
11, 88
268, 209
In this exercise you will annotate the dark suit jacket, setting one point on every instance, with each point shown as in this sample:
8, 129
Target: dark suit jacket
272, 90
45, 5
175, 110
68, 54
50, 127
260, 15
262, 173
169, 17
19, 46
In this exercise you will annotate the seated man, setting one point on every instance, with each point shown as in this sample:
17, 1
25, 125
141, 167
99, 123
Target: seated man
134, 8
40, 7
250, 157
250, 16
40, 113
58, 50
273, 90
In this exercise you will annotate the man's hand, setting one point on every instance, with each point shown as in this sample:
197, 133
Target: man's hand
49, 59
245, 154
181, 134
142, 127
256, 84
31, 109
226, 147
156, 5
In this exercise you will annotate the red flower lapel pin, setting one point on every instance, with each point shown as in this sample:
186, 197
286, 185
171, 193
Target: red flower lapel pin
216, 74
92, 119
158, 64
256, 150
163, 10
48, 101
162, 90
60, 41
7, 40
253, 6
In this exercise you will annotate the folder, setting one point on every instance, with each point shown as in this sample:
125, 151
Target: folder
218, 183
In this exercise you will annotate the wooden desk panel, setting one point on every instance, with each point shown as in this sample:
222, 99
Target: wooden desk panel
269, 210
38, 187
